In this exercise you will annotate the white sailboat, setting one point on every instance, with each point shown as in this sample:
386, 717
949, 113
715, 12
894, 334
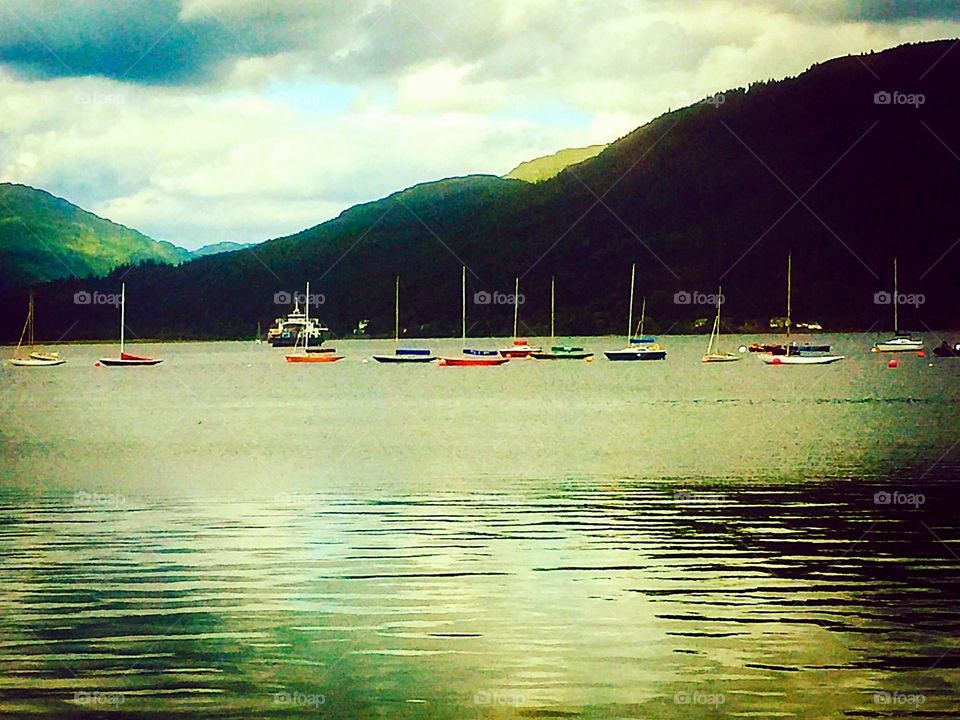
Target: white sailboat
900, 342
713, 347
33, 358
125, 359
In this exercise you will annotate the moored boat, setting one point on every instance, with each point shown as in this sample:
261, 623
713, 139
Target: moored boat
945, 350
472, 357
520, 348
34, 358
713, 354
900, 342
796, 355
287, 331
403, 355
638, 348
327, 355
126, 359
559, 352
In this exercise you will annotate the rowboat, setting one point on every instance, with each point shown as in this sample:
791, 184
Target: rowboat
126, 359
327, 355
472, 357
403, 355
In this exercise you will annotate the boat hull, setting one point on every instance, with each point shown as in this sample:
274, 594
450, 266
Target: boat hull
562, 355
898, 346
720, 357
400, 359
478, 361
941, 351
314, 358
800, 359
129, 362
630, 355
36, 362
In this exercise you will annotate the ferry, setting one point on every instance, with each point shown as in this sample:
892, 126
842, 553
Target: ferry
286, 330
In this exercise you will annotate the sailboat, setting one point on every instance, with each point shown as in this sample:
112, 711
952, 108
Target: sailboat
521, 348
713, 347
126, 359
471, 356
560, 352
33, 358
327, 355
642, 347
900, 342
403, 355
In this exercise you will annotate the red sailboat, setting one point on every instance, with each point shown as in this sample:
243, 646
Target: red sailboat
126, 359
471, 357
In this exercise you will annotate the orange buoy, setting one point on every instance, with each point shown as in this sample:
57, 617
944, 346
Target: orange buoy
921, 354
893, 364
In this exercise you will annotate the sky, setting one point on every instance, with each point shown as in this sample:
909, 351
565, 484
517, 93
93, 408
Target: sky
201, 121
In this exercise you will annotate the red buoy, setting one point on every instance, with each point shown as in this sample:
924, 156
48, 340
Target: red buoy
776, 361
921, 354
893, 364
97, 364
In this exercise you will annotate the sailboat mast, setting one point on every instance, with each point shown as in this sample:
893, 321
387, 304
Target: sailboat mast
633, 274
552, 295
463, 304
123, 313
31, 319
643, 314
396, 313
516, 305
306, 319
896, 327
789, 287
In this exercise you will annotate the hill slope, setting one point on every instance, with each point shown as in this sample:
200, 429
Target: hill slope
709, 193
544, 168
43, 237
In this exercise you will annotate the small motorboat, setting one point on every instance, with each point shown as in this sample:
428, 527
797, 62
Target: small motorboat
899, 343
563, 352
945, 350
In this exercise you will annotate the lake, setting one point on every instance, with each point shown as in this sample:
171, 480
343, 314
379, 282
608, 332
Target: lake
228, 535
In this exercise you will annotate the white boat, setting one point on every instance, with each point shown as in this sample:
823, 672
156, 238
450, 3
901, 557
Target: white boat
638, 348
795, 356
403, 356
713, 347
34, 358
900, 342
126, 359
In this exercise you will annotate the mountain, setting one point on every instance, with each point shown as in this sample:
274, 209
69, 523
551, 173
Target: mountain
217, 248
849, 164
43, 237
544, 168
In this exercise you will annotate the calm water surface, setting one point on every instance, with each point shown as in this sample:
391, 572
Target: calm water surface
227, 535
